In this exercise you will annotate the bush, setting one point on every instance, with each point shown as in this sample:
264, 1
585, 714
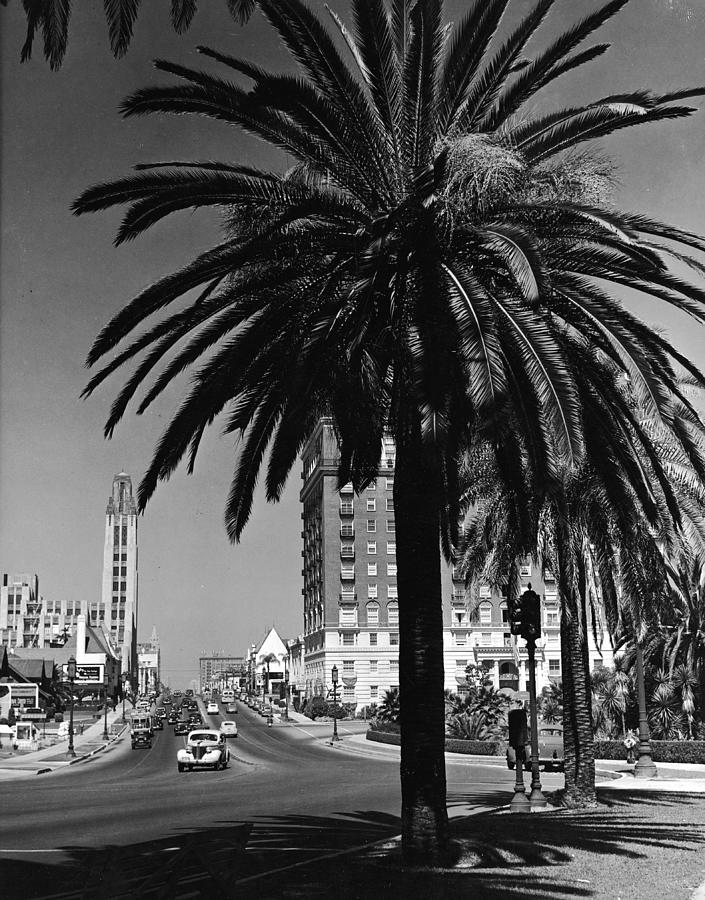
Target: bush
316, 708
452, 745
661, 751
383, 727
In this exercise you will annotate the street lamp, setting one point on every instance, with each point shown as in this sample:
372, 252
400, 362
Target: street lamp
106, 736
334, 679
123, 679
644, 767
71, 674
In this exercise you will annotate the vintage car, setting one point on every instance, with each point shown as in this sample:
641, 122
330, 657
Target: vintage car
550, 749
231, 709
228, 728
212, 709
181, 727
204, 749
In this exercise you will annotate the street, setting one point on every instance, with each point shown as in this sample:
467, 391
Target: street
287, 797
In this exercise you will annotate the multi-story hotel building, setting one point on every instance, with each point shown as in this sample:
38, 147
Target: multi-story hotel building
117, 610
149, 665
351, 606
220, 670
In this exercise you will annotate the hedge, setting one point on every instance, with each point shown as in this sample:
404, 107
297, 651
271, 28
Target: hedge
661, 751
453, 745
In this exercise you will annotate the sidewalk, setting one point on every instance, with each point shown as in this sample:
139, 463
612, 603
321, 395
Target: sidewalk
49, 758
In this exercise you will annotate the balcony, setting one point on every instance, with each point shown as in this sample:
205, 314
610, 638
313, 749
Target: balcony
347, 573
347, 530
347, 488
346, 508
350, 680
347, 551
347, 597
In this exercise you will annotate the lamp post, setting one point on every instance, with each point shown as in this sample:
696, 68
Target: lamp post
106, 736
334, 679
123, 679
71, 673
644, 767
286, 692
536, 797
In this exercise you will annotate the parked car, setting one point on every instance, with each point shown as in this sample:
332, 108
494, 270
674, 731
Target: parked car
228, 728
204, 749
212, 709
550, 749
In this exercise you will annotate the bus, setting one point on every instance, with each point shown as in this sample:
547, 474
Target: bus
228, 696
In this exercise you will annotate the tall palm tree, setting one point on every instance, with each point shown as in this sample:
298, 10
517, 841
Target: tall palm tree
424, 269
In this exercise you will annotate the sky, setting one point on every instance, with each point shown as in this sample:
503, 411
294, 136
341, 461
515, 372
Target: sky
61, 280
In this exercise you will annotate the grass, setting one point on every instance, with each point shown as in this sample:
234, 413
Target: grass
650, 847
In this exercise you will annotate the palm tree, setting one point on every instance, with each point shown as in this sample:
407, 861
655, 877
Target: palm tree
388, 709
53, 17
268, 660
425, 269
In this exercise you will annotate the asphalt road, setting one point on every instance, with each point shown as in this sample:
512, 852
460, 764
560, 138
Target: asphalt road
104, 827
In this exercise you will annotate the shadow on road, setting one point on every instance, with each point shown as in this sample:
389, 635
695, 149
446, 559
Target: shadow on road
355, 856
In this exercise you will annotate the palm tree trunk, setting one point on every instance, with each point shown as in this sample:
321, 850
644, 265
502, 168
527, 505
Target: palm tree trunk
425, 835
577, 715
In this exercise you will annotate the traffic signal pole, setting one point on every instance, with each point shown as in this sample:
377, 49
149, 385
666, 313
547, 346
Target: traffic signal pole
536, 797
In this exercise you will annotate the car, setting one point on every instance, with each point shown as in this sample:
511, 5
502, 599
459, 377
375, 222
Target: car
205, 748
160, 712
212, 709
228, 728
182, 727
231, 709
196, 719
550, 749
157, 723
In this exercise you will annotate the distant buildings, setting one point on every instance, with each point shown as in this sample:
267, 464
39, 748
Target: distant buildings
220, 670
118, 607
149, 665
27, 620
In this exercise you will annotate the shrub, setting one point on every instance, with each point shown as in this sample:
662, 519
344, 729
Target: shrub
316, 708
384, 727
383, 737
661, 751
478, 748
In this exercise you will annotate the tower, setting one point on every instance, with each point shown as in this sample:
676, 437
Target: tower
117, 611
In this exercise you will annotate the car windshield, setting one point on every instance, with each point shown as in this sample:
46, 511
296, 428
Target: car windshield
204, 736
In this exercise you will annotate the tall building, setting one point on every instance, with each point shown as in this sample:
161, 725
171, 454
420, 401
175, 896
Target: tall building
118, 609
350, 601
220, 670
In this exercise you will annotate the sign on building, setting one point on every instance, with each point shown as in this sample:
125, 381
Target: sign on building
86, 673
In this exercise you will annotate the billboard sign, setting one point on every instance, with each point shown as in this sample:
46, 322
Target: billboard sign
85, 673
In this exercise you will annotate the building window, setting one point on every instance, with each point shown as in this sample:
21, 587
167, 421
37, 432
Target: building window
392, 592
461, 638
116, 534
554, 667
371, 591
485, 638
485, 614
551, 616
371, 504
391, 568
123, 570
347, 551
373, 666
374, 691
393, 666
393, 638
116, 570
372, 486
389, 504
393, 613
348, 639
373, 613
124, 534
348, 667
371, 525
391, 526
389, 484
373, 639
347, 488
116, 585
525, 570
504, 612
372, 568
116, 557
372, 547
348, 615
348, 694
391, 548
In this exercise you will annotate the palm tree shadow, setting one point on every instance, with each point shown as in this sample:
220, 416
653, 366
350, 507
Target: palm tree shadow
353, 856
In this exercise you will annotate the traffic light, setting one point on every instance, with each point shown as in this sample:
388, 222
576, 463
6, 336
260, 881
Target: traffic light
515, 618
530, 616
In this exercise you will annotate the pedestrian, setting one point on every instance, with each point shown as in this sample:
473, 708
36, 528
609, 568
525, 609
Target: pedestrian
630, 742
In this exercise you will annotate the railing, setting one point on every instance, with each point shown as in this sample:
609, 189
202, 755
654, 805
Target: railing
346, 508
347, 573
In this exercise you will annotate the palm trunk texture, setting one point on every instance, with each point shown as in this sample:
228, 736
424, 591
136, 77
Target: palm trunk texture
425, 835
577, 715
